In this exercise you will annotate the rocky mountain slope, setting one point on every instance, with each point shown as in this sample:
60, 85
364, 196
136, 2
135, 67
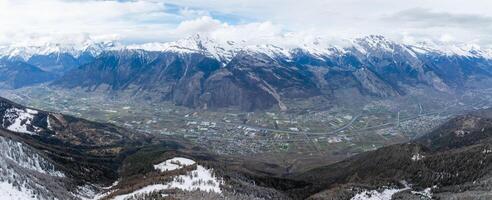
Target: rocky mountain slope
199, 72
17, 74
49, 155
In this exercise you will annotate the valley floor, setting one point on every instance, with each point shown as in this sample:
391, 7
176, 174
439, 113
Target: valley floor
308, 135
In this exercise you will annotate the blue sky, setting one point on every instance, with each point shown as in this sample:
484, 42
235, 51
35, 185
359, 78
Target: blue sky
139, 21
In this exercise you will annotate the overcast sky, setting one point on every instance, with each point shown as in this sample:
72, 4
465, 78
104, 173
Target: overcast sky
134, 21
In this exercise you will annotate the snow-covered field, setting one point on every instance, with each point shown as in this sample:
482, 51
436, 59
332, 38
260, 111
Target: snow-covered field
384, 194
174, 164
201, 178
9, 192
376, 195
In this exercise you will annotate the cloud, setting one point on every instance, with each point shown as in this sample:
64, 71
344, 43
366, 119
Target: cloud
26, 18
138, 21
419, 19
203, 24
254, 33
426, 17
443, 26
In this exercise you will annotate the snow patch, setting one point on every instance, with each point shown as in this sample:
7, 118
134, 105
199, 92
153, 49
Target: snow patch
20, 120
417, 157
385, 194
48, 123
174, 164
145, 190
427, 192
8, 191
199, 179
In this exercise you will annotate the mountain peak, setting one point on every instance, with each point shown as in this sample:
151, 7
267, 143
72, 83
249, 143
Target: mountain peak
193, 44
373, 42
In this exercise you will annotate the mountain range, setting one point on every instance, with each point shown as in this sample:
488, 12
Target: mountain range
199, 72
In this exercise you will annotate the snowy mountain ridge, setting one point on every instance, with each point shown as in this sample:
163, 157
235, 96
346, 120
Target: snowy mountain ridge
26, 51
224, 51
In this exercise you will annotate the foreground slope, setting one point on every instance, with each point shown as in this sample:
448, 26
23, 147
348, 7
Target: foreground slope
51, 155
48, 155
452, 162
45, 155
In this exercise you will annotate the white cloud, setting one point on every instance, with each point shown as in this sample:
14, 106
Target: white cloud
446, 38
155, 20
203, 24
397, 19
20, 19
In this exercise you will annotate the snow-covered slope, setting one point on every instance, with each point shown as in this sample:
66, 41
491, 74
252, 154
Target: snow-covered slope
195, 44
225, 50
198, 179
465, 50
19, 120
26, 51
173, 164
22, 120
28, 175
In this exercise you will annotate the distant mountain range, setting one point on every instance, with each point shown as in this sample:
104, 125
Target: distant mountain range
202, 73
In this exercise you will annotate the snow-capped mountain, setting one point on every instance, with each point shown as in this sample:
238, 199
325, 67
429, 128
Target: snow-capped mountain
465, 50
25, 65
195, 44
201, 72
27, 51
191, 71
225, 50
